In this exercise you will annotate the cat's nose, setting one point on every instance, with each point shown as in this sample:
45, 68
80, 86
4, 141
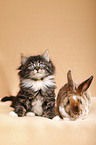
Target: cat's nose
37, 68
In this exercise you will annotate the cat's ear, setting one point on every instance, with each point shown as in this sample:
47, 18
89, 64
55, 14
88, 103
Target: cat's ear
85, 85
23, 59
46, 55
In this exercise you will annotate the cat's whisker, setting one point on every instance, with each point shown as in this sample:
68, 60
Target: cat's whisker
37, 87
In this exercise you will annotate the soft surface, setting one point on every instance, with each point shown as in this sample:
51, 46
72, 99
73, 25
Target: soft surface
68, 30
43, 131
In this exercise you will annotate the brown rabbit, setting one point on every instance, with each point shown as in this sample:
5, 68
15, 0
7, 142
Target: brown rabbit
73, 100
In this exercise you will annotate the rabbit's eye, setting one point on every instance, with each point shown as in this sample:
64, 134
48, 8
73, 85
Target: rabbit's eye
68, 101
80, 102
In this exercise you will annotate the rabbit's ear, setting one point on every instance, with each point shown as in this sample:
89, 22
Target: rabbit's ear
85, 85
70, 80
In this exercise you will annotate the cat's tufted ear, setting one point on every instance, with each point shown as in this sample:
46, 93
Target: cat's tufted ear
46, 55
23, 59
85, 85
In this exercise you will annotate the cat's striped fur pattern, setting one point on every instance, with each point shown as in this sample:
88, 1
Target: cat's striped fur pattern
37, 87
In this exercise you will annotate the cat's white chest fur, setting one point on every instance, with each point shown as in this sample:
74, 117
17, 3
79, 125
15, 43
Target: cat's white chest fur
39, 84
37, 105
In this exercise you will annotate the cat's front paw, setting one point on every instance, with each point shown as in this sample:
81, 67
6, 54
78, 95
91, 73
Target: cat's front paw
30, 114
12, 113
57, 118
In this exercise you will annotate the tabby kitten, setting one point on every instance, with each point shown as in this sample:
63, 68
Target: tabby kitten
37, 85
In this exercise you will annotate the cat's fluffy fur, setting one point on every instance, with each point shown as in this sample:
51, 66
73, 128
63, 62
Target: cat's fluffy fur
37, 87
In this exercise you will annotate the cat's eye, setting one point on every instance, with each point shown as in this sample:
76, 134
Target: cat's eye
41, 65
31, 66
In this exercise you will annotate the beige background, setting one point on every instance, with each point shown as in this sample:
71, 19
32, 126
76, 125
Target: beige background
66, 28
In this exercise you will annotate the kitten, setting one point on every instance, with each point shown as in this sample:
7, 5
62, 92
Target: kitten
37, 87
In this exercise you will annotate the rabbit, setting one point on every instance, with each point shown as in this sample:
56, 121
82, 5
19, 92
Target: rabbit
73, 100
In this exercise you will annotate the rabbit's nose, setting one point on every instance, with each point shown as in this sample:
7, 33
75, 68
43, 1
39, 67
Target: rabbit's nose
75, 109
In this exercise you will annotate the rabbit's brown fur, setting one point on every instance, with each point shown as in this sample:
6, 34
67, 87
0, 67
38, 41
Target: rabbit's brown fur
73, 100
